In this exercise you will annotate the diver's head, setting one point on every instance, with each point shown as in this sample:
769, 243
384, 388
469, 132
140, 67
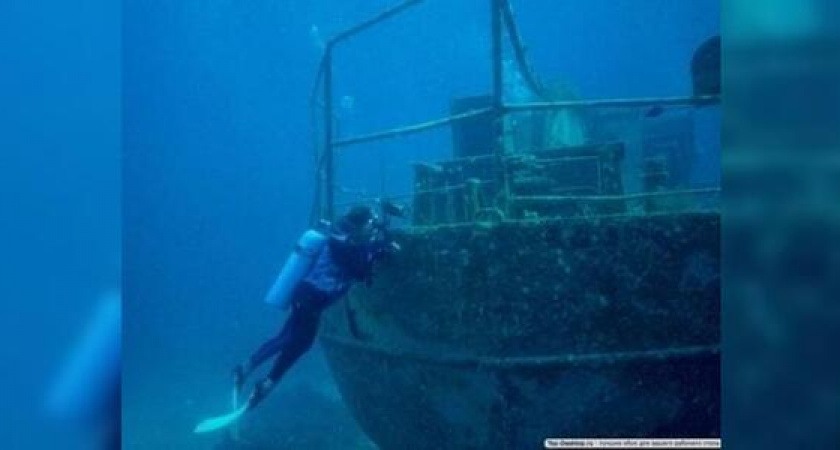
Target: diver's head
357, 224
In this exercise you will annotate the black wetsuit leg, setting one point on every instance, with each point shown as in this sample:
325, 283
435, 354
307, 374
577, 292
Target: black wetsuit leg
298, 332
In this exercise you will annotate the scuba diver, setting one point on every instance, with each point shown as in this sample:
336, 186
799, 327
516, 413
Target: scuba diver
326, 262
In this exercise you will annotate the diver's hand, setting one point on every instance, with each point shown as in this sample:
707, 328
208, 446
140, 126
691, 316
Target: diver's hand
386, 249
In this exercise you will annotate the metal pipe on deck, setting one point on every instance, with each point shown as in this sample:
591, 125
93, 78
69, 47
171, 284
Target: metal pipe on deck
411, 129
518, 47
609, 198
329, 162
536, 106
616, 103
498, 106
325, 75
381, 17
356, 29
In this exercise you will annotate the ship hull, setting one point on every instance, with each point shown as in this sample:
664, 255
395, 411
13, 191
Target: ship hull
503, 336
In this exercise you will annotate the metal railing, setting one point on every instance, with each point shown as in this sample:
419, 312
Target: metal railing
501, 18
326, 167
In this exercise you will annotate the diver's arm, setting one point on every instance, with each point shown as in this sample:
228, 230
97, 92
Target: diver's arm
378, 250
384, 244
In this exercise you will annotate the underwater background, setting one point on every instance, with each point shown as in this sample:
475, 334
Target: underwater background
60, 202
218, 172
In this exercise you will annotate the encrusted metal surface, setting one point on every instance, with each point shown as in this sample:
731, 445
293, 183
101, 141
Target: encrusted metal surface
584, 293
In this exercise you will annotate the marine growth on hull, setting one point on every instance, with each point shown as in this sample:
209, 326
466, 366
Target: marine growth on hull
549, 292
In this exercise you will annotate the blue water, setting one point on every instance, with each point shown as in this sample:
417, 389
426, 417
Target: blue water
59, 191
217, 165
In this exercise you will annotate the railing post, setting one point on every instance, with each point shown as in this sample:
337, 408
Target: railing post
496, 48
498, 114
329, 150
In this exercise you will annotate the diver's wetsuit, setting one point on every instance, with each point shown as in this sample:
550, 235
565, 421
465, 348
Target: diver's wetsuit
297, 334
337, 267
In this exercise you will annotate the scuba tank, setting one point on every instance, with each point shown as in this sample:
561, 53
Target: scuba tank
308, 247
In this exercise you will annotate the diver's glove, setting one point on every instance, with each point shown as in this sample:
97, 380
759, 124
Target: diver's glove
384, 248
393, 247
380, 249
